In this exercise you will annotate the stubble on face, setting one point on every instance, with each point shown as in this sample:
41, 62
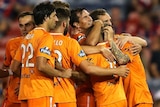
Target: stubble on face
53, 20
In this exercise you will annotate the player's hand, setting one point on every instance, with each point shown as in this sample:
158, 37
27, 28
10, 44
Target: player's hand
98, 22
122, 71
108, 33
82, 76
108, 54
121, 41
67, 73
135, 49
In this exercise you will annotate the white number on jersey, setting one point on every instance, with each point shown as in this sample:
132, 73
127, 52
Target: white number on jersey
28, 48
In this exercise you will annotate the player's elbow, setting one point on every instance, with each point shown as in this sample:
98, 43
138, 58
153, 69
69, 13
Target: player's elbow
89, 70
15, 66
40, 67
145, 44
91, 43
41, 63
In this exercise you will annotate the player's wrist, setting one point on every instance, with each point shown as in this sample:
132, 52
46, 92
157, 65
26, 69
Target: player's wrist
10, 72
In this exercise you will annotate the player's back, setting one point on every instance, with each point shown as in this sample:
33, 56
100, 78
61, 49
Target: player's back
33, 46
135, 85
69, 49
68, 52
107, 89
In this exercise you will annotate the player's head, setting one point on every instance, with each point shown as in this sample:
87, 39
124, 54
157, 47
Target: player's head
26, 22
63, 15
80, 18
101, 14
45, 12
60, 4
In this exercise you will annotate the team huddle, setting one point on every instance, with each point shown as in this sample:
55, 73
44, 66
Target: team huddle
72, 58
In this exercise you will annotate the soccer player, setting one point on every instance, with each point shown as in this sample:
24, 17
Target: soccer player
26, 24
69, 54
81, 23
85, 19
34, 56
108, 90
135, 85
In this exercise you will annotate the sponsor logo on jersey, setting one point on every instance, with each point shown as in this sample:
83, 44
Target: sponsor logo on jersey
81, 53
45, 50
79, 38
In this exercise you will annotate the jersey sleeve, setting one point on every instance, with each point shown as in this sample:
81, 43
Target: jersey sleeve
76, 52
8, 57
45, 46
80, 37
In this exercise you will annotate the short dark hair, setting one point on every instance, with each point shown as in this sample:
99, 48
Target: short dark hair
95, 13
74, 15
60, 4
41, 11
62, 14
25, 13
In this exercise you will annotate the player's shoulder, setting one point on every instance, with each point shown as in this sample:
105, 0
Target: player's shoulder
78, 36
15, 40
60, 36
72, 40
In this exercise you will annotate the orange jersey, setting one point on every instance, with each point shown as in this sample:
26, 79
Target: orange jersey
80, 37
67, 35
107, 89
11, 48
68, 52
34, 83
84, 90
135, 84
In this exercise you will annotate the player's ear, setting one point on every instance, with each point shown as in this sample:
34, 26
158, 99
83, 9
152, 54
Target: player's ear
64, 24
76, 24
45, 18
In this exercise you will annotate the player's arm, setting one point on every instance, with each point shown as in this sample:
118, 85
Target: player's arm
135, 39
99, 49
137, 42
58, 66
16, 68
79, 75
43, 66
121, 58
94, 34
91, 69
75, 74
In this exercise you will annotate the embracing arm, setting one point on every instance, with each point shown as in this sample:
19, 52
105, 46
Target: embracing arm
91, 69
126, 37
99, 49
121, 58
94, 34
43, 66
